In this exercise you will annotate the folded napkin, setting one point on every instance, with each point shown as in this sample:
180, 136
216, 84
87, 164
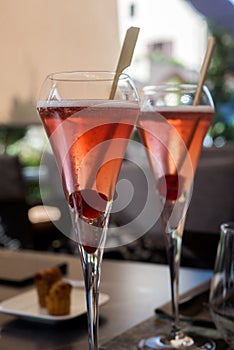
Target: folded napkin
193, 307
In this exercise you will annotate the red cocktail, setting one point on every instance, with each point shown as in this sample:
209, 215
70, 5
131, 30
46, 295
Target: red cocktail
172, 130
89, 134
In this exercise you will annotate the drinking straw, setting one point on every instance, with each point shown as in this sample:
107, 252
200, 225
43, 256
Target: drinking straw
125, 57
204, 68
203, 72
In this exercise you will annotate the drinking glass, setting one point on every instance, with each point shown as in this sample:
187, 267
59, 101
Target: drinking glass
89, 132
173, 129
222, 285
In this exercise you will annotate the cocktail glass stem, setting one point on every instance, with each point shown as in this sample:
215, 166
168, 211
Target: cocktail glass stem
173, 239
174, 254
91, 264
174, 257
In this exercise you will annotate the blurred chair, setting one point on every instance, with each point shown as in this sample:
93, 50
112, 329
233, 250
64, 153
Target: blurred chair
15, 228
22, 226
212, 204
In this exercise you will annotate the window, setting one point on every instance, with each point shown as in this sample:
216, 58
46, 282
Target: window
132, 10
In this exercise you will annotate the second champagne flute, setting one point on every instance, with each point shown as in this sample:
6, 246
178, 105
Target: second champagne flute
172, 130
89, 133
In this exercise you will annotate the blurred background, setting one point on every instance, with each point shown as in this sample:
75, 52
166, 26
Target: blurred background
40, 36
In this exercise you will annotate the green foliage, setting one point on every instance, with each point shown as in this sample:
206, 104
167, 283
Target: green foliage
10, 135
159, 57
221, 83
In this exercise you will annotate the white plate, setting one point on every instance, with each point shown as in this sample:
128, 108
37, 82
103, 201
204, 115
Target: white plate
25, 305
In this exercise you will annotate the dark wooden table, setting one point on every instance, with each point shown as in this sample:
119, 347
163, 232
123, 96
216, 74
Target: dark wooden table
135, 289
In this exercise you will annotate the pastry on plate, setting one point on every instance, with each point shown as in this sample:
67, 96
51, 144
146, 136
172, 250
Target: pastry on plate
43, 282
58, 300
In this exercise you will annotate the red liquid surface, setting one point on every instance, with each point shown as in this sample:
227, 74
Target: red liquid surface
170, 138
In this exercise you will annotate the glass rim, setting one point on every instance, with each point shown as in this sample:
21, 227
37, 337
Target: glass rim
229, 225
178, 88
171, 87
86, 76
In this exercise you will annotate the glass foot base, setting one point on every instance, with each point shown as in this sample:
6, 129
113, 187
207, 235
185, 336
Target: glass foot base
162, 342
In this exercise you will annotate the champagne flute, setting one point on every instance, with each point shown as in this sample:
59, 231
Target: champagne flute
222, 285
172, 130
89, 133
